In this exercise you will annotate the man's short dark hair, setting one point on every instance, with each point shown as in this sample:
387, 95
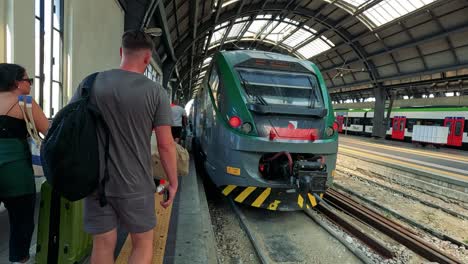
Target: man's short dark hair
136, 40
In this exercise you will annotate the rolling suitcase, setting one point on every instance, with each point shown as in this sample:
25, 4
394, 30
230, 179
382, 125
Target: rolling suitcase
60, 235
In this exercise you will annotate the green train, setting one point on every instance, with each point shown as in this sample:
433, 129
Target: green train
264, 129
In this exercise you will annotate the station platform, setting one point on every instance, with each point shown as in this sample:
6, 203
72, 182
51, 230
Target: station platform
446, 167
183, 233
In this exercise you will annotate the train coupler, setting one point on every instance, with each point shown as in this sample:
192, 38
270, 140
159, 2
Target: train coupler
310, 176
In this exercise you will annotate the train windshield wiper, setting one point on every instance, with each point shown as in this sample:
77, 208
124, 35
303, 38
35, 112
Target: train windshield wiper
312, 97
257, 97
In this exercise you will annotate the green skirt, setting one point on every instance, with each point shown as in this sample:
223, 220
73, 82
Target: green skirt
16, 172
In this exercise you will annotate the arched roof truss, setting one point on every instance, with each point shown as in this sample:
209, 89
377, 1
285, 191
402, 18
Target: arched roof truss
359, 45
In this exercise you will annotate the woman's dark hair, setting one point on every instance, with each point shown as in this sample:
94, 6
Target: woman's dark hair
9, 74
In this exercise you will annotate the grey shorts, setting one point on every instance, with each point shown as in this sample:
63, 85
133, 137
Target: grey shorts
136, 215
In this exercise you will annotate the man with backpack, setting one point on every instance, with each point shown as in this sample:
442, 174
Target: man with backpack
132, 106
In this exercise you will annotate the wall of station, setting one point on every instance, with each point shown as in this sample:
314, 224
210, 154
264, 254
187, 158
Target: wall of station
91, 41
93, 30
17, 33
2, 30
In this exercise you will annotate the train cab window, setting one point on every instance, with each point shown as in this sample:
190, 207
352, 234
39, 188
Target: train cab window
458, 130
214, 83
281, 88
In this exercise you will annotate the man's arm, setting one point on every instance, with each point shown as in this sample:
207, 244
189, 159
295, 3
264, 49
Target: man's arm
167, 152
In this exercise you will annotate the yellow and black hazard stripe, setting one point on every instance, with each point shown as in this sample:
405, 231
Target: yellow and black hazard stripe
268, 198
307, 200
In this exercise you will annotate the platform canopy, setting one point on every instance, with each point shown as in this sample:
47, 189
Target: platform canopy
406, 47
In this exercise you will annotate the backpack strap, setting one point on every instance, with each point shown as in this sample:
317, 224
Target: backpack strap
102, 183
87, 85
25, 103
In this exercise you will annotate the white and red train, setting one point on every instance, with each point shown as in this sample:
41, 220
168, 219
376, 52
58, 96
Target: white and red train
400, 127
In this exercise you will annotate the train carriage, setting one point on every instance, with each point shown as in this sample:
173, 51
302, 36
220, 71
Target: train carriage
403, 120
264, 129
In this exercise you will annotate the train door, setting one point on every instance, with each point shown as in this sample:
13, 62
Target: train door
399, 124
456, 127
340, 121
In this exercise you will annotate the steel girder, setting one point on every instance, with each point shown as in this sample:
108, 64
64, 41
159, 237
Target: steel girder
275, 8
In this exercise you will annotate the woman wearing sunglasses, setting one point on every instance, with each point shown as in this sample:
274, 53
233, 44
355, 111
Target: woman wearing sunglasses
17, 186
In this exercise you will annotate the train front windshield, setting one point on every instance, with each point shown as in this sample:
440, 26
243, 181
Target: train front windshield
281, 88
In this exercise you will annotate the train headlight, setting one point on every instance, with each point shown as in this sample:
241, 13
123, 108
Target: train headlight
246, 127
329, 131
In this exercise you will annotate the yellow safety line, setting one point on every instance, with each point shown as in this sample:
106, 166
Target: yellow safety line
445, 156
228, 189
395, 161
161, 229
244, 194
313, 202
262, 197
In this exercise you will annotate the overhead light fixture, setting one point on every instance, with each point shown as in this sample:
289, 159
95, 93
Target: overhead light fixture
155, 32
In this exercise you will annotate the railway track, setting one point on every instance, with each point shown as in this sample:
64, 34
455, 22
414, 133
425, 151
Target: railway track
334, 200
392, 229
291, 237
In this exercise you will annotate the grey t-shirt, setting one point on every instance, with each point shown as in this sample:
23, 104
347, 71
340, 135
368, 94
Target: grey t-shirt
177, 113
132, 105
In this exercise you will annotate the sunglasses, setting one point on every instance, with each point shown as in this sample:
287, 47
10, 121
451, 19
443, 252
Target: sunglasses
30, 80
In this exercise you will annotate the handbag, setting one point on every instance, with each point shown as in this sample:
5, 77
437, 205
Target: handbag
34, 140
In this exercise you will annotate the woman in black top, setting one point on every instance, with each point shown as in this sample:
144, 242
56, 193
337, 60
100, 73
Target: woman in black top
17, 186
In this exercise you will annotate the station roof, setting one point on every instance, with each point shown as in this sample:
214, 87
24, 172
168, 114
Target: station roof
359, 45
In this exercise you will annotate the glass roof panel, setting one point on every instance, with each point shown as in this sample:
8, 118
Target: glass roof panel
389, 10
287, 20
298, 37
236, 30
218, 35
282, 30
206, 61
356, 2
221, 25
313, 48
255, 27
226, 3
384, 11
241, 19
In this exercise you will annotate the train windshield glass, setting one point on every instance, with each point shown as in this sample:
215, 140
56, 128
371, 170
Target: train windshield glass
281, 88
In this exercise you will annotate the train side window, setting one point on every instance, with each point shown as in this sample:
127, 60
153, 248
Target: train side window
395, 125
409, 124
449, 125
458, 130
214, 83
